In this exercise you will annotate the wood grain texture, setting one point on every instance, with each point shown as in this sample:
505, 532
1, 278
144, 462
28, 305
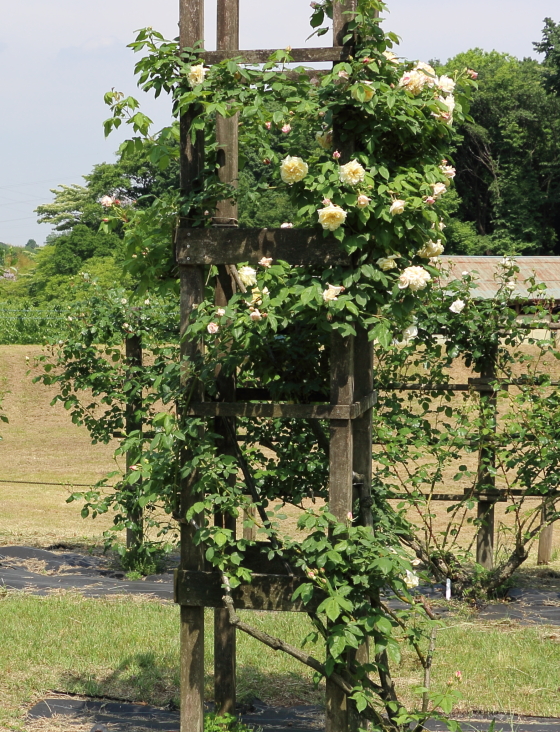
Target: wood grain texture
133, 416
230, 246
362, 424
259, 56
291, 411
269, 592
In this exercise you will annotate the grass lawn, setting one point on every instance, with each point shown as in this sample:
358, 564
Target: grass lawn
128, 648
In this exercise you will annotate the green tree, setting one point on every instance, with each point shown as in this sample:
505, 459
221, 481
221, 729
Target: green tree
508, 160
550, 47
31, 244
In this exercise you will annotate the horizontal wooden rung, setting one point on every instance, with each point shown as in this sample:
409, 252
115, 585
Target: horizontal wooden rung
288, 411
270, 592
261, 56
231, 246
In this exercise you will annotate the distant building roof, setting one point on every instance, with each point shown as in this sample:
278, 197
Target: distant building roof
485, 269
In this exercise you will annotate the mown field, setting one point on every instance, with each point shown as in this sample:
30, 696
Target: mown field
128, 647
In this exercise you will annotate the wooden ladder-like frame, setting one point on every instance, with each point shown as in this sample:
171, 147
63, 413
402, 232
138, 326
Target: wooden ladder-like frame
351, 386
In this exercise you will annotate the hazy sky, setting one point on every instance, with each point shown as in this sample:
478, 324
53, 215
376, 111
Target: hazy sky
58, 57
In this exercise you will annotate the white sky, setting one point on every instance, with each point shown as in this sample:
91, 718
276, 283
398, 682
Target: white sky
58, 57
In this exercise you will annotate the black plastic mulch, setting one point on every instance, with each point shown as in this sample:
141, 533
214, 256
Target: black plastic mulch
120, 717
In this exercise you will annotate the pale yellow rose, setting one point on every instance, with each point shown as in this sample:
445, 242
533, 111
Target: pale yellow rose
248, 276
415, 278
368, 91
332, 292
387, 263
431, 249
413, 81
293, 169
265, 262
446, 84
331, 217
391, 57
196, 75
352, 173
325, 139
257, 295
397, 207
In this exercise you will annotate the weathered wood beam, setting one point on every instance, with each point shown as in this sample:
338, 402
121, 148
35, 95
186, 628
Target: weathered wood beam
293, 411
261, 56
270, 592
230, 245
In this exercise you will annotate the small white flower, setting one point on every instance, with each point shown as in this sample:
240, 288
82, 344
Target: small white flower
457, 306
256, 316
248, 276
507, 262
196, 75
409, 334
511, 285
446, 84
362, 201
412, 579
464, 274
449, 171
332, 292
212, 328
70, 318
397, 207
265, 262
391, 57
220, 312
126, 326
286, 226
107, 201
147, 301
123, 300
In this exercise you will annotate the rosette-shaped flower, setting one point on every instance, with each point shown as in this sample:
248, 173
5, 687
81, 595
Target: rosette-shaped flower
363, 201
212, 328
415, 278
331, 217
397, 207
107, 201
352, 173
429, 73
431, 249
293, 169
446, 84
265, 262
457, 306
387, 263
248, 276
332, 292
448, 171
413, 81
391, 57
196, 75
438, 189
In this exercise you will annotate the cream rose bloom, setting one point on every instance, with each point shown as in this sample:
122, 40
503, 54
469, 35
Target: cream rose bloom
331, 217
196, 75
256, 316
429, 73
409, 333
391, 57
212, 328
413, 81
387, 263
325, 139
265, 262
415, 278
431, 249
293, 169
352, 173
438, 189
448, 171
457, 306
411, 580
248, 276
257, 295
368, 89
362, 201
332, 292
397, 207
446, 84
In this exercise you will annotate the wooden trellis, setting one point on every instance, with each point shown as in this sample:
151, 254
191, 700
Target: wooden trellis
351, 397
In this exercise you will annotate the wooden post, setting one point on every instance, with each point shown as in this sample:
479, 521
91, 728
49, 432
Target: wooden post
486, 480
226, 215
191, 30
362, 426
341, 457
546, 537
133, 416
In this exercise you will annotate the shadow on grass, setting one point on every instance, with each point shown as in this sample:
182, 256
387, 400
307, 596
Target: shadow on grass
142, 677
